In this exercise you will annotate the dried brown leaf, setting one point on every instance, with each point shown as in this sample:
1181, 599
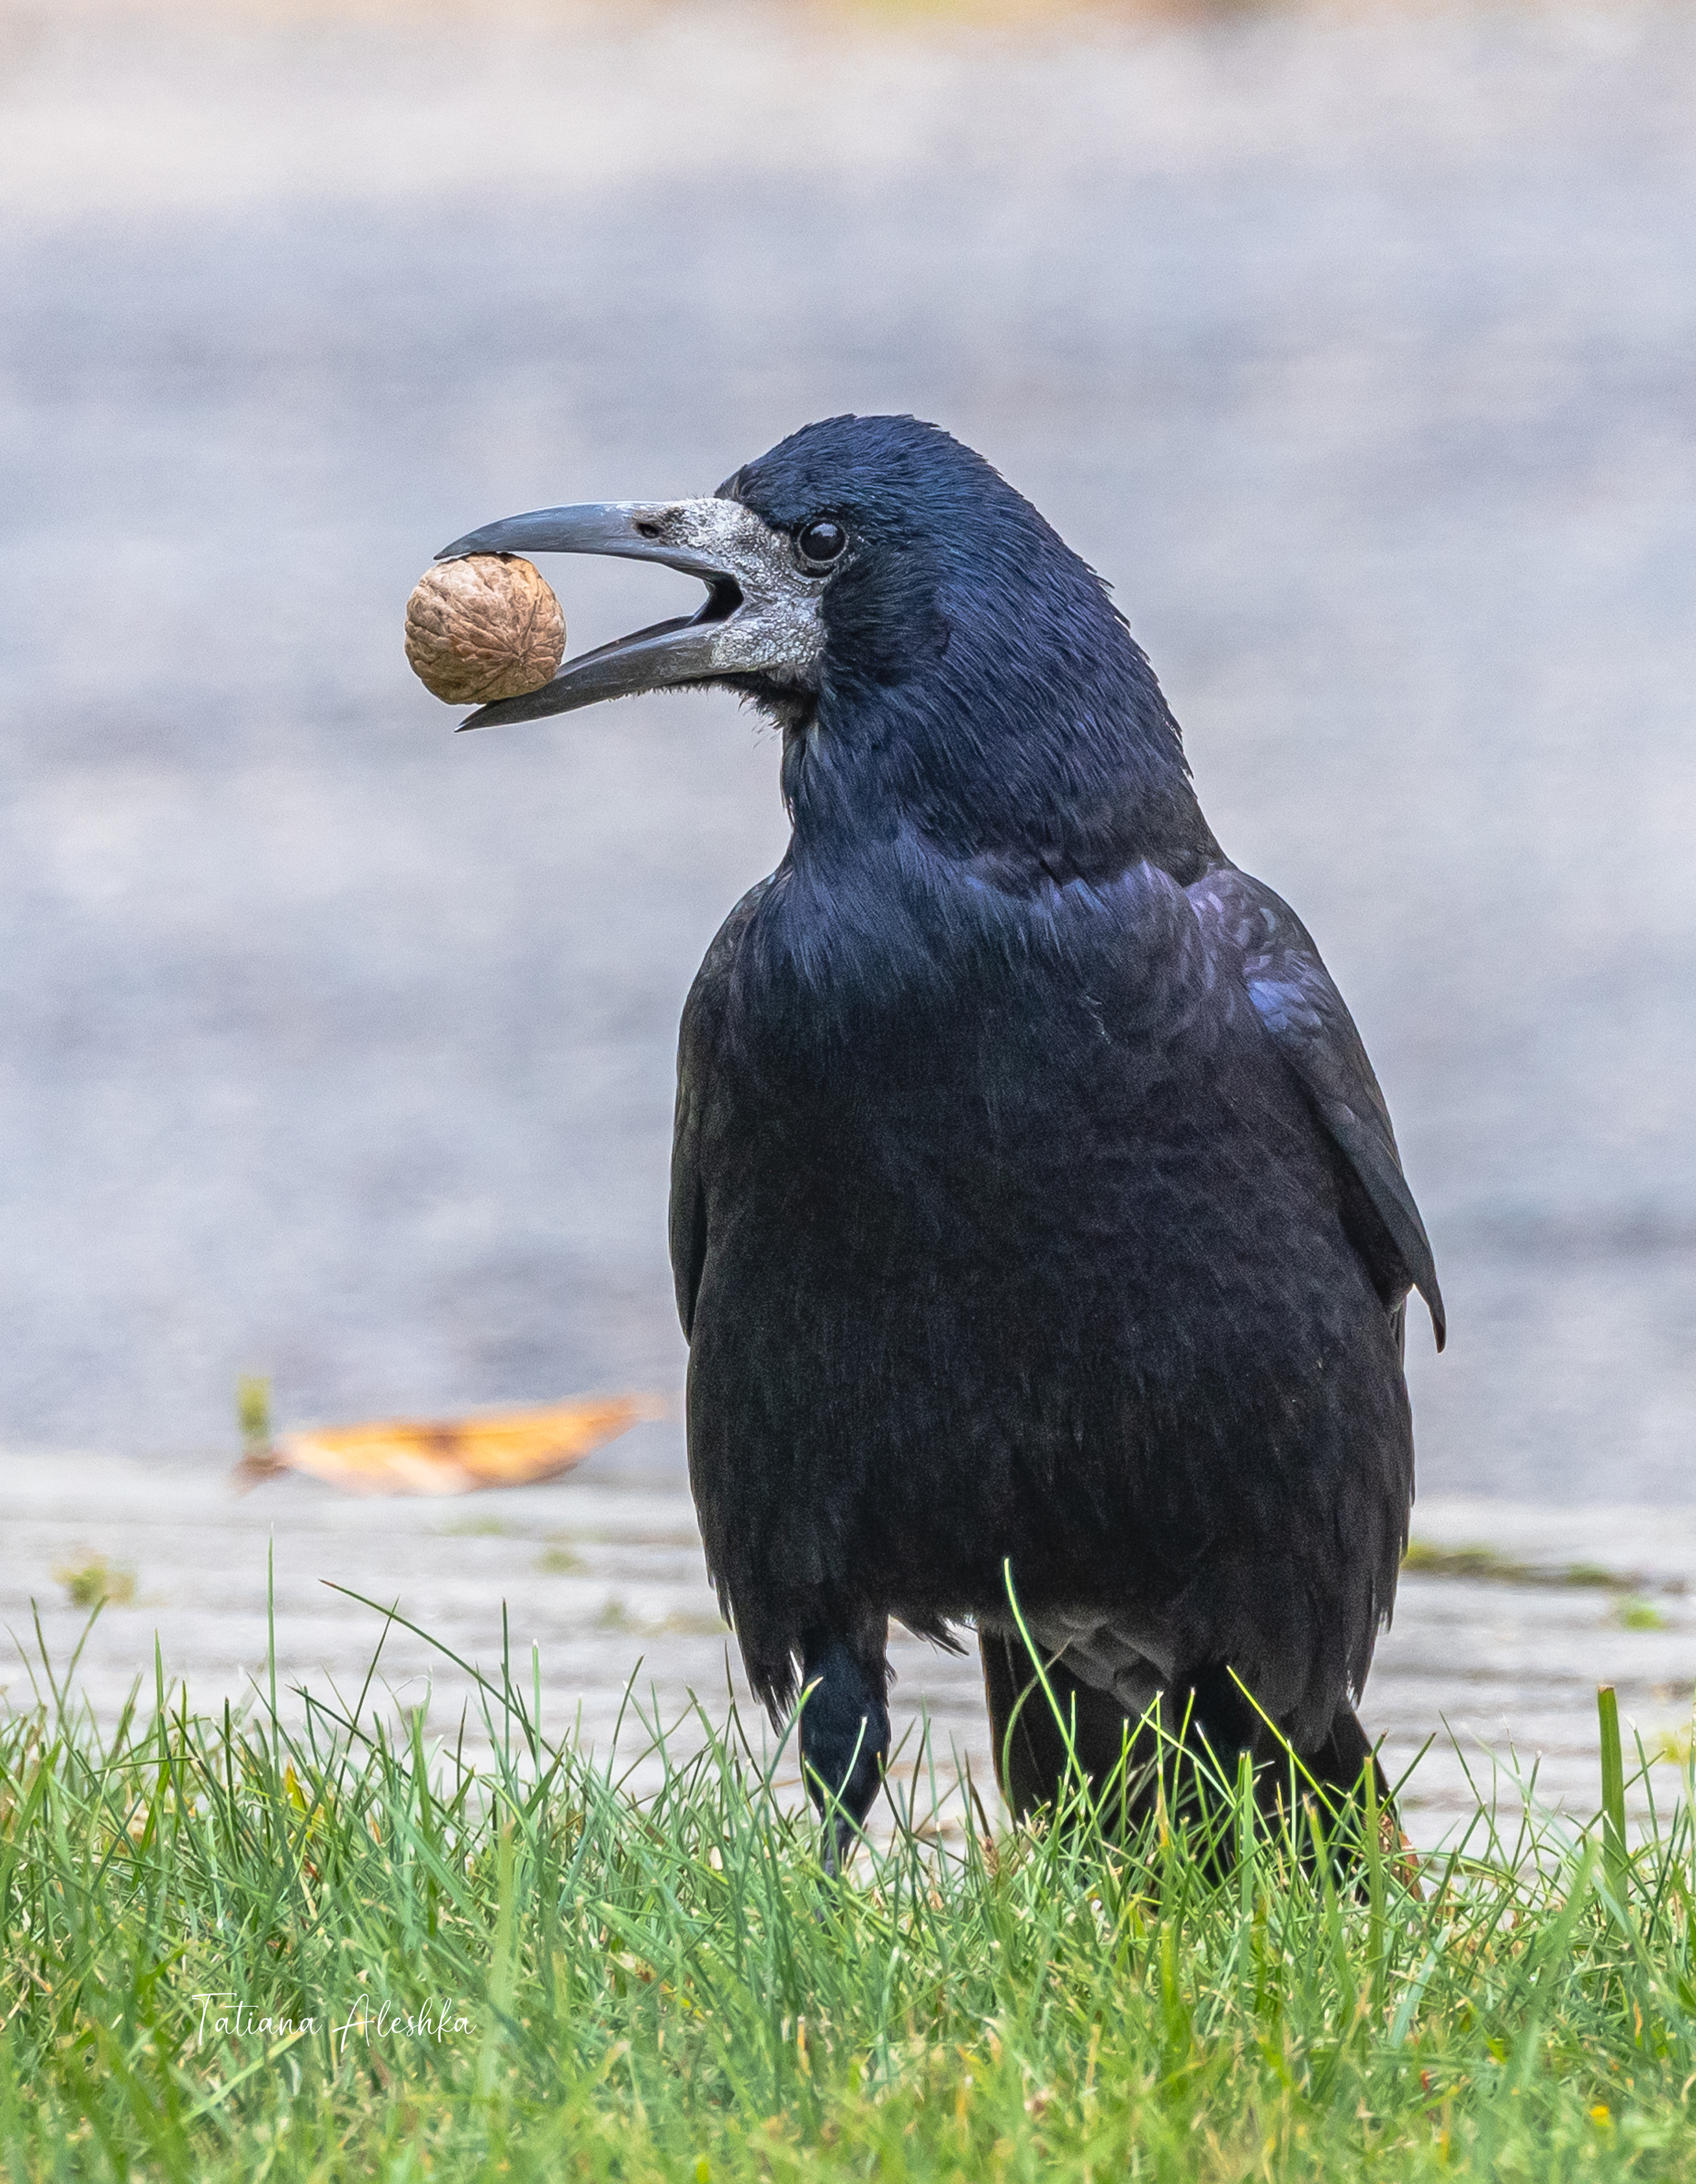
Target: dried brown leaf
453, 1456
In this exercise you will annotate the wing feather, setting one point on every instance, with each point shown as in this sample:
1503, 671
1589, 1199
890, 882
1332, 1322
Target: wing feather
1299, 1007
697, 1041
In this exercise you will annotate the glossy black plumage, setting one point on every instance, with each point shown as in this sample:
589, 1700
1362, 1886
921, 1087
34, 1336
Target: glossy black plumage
1034, 1201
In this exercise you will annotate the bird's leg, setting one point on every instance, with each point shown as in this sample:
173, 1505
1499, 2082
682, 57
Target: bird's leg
1211, 1715
1209, 1712
1221, 1715
1338, 1771
845, 1728
1044, 1737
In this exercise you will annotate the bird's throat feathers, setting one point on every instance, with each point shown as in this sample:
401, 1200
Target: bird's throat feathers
982, 808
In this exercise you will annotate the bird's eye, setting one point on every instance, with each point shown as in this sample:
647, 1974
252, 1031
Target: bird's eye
822, 541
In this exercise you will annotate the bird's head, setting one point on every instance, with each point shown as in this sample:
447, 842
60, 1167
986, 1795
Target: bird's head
940, 661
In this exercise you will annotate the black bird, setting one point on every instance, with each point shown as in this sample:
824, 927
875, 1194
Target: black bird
1034, 1208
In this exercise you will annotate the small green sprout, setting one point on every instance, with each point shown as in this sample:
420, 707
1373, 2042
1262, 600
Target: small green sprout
252, 1413
93, 1584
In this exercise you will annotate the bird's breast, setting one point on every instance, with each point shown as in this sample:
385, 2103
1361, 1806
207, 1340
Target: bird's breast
978, 1090
1023, 1248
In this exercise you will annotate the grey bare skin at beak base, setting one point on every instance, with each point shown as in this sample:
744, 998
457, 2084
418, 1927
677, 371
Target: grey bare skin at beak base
761, 615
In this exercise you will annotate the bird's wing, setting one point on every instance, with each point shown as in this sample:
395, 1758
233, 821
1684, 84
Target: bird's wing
1301, 1010
697, 1040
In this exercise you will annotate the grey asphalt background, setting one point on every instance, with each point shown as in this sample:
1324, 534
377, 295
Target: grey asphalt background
1359, 351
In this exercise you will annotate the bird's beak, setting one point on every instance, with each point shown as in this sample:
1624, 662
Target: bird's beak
760, 617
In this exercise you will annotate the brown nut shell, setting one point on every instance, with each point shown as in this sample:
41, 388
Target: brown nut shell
484, 627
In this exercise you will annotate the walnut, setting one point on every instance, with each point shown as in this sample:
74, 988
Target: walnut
484, 627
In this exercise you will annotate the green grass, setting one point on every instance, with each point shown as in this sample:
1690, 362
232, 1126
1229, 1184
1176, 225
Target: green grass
1491, 1567
96, 1582
672, 1988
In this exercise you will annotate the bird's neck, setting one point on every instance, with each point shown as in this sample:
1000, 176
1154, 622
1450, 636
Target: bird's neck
1078, 778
